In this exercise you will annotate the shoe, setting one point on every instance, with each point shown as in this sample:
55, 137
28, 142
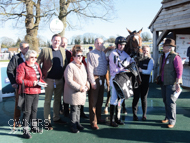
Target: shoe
48, 126
101, 121
95, 126
113, 124
27, 135
36, 130
124, 111
165, 121
73, 130
170, 126
144, 118
119, 122
83, 115
60, 122
80, 127
135, 118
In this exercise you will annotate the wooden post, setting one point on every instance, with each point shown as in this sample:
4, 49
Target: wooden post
155, 54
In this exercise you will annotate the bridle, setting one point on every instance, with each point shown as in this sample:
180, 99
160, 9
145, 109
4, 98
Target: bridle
129, 39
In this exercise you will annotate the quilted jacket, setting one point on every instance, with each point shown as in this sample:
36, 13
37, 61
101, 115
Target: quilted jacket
28, 74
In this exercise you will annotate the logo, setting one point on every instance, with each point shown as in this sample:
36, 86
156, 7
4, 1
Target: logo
56, 26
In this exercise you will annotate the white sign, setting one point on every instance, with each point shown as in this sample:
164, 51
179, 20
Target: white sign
186, 76
56, 26
182, 44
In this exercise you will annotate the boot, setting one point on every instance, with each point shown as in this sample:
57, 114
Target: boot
117, 115
26, 133
112, 122
124, 111
74, 128
107, 102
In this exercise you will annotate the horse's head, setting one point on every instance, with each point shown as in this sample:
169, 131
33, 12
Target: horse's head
134, 42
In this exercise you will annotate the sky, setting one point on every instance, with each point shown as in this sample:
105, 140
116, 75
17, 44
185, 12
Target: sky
131, 14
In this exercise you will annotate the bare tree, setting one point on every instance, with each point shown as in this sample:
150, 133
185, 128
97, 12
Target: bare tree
145, 36
7, 42
82, 9
111, 39
29, 12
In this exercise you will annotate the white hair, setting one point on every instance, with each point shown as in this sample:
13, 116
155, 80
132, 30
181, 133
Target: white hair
28, 54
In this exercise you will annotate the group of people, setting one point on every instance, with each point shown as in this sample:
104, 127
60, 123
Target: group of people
67, 73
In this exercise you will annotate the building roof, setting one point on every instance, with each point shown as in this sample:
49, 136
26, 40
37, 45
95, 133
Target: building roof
174, 14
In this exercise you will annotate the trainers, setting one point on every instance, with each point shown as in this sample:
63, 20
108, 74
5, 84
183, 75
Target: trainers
60, 122
135, 118
48, 126
27, 135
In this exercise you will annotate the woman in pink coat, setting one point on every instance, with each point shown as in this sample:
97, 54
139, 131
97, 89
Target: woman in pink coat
76, 85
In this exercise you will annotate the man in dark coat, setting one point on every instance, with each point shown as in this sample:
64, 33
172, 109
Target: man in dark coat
11, 73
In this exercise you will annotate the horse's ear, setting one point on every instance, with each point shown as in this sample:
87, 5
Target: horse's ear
140, 31
129, 31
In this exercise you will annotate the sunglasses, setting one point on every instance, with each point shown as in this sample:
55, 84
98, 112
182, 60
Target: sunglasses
79, 56
26, 47
33, 57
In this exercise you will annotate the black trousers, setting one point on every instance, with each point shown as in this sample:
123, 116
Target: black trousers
75, 115
141, 92
30, 109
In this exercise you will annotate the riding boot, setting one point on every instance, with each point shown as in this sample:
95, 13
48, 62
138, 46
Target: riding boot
107, 102
123, 108
112, 122
117, 115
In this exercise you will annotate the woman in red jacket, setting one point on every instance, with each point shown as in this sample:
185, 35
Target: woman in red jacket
29, 72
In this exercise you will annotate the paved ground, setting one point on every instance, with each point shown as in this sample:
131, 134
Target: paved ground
148, 131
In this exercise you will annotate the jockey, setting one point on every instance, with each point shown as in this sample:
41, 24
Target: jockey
118, 61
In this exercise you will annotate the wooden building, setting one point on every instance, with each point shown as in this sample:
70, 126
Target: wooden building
173, 17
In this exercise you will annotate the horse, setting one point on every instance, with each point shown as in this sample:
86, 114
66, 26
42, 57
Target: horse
133, 49
134, 44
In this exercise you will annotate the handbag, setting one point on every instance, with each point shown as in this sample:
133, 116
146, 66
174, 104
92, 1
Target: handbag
21, 98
